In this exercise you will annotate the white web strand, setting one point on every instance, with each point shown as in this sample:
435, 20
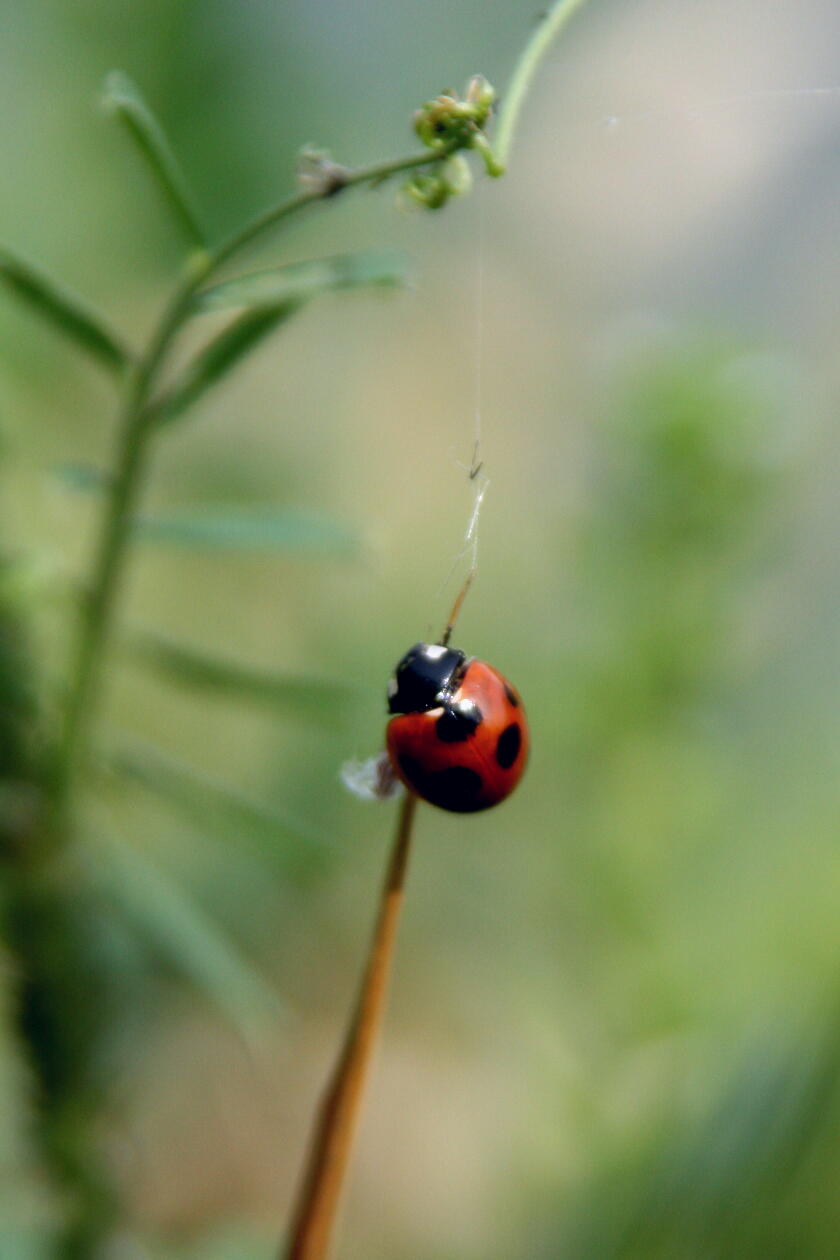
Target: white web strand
475, 476
471, 536
479, 481
479, 335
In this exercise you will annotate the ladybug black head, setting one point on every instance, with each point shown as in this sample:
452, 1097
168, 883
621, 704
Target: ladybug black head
425, 677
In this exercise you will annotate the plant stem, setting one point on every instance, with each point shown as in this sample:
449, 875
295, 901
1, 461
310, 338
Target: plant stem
526, 67
135, 432
336, 1123
116, 528
374, 174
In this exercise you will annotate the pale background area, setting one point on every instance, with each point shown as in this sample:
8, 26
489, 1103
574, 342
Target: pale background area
580, 971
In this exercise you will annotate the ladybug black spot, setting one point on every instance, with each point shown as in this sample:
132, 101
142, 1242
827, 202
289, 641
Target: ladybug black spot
455, 788
412, 769
458, 722
512, 697
507, 749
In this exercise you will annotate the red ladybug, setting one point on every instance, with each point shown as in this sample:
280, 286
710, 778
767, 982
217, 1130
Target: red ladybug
460, 736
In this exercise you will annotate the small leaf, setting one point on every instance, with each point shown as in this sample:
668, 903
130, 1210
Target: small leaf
219, 356
122, 97
305, 279
319, 698
64, 310
248, 529
185, 937
208, 801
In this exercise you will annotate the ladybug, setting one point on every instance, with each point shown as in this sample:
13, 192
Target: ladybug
459, 737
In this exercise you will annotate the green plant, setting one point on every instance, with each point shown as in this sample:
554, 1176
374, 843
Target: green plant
66, 889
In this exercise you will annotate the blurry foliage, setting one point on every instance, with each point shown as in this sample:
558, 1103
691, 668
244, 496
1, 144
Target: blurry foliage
750, 1174
723, 1149
736, 1155
18, 712
92, 923
685, 474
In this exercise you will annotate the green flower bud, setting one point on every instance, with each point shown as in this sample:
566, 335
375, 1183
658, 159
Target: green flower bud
450, 122
442, 122
482, 96
448, 125
457, 176
492, 165
430, 191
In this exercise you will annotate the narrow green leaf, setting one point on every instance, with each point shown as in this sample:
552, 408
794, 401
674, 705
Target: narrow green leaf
209, 802
248, 529
217, 358
318, 698
305, 279
64, 310
122, 97
185, 937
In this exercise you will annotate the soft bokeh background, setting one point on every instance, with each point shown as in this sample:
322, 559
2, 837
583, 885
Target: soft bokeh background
614, 1021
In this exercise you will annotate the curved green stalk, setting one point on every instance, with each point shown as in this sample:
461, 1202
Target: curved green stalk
526, 67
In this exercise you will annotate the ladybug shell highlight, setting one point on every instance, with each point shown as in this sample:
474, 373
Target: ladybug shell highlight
466, 748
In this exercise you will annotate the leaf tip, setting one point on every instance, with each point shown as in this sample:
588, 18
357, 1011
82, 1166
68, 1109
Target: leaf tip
117, 90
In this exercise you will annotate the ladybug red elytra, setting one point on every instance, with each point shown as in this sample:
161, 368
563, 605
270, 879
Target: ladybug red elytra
459, 737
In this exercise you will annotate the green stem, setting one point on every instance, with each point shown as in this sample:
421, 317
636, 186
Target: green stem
526, 67
116, 527
374, 174
135, 431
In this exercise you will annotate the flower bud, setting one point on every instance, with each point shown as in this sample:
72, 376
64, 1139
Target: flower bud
482, 96
427, 190
456, 175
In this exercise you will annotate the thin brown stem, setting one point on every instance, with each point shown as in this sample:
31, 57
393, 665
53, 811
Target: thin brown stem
337, 1120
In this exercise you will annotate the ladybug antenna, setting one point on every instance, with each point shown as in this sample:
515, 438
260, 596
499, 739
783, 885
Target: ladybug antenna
456, 608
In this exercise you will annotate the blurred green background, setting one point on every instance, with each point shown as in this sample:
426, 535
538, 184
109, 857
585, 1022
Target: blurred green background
615, 1018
